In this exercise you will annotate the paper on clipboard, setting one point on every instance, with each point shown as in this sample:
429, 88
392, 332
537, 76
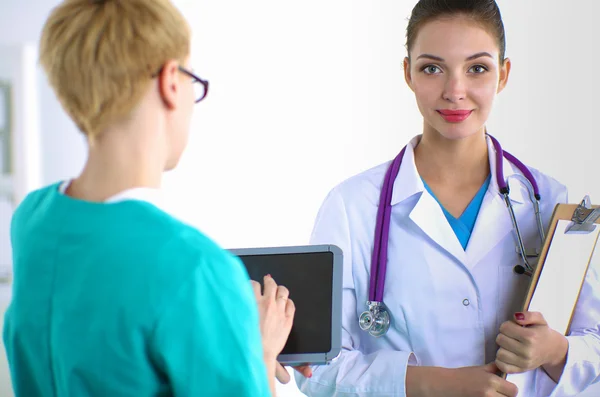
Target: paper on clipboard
562, 276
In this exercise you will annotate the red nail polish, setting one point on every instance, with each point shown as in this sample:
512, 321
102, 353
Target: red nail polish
520, 316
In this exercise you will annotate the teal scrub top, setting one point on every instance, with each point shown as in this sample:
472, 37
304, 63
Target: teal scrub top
124, 300
463, 225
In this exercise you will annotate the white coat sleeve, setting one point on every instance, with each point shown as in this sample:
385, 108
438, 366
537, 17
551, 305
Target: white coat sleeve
381, 373
582, 367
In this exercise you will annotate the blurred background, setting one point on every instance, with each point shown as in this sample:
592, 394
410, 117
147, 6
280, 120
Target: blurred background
302, 96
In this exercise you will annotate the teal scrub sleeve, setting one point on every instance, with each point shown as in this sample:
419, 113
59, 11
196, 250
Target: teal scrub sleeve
208, 342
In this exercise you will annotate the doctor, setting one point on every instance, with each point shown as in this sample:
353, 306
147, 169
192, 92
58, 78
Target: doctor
450, 289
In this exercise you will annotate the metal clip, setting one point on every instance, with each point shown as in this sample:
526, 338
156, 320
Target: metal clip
584, 218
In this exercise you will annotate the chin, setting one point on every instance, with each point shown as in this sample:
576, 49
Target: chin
457, 131
171, 165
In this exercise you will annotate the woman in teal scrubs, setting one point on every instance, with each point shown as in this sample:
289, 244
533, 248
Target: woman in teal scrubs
113, 296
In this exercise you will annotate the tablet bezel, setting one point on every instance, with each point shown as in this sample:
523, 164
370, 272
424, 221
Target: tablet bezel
320, 358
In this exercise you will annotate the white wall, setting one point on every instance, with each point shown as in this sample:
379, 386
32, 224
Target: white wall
305, 94
19, 70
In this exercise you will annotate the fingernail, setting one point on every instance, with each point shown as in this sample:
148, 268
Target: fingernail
520, 316
310, 375
268, 275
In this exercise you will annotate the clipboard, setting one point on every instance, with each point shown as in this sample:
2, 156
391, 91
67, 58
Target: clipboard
556, 282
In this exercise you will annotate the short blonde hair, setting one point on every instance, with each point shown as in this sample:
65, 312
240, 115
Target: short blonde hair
100, 55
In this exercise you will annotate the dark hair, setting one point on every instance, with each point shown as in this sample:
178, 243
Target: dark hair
482, 11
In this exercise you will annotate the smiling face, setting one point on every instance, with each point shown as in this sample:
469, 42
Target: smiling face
455, 72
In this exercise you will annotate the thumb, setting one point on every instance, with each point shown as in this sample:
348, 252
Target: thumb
530, 318
282, 374
491, 368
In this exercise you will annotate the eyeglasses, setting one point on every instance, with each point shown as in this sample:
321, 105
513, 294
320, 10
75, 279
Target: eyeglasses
200, 86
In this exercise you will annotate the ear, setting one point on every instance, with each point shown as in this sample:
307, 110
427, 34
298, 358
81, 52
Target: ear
169, 84
407, 75
504, 73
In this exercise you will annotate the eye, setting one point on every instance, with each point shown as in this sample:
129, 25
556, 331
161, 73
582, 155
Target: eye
431, 69
478, 69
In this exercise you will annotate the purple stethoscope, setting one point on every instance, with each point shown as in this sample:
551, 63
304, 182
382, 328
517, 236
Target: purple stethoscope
376, 320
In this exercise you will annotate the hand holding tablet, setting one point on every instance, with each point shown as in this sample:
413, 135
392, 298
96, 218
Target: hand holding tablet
312, 276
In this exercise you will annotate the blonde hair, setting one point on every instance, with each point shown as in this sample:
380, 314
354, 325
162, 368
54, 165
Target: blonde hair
100, 55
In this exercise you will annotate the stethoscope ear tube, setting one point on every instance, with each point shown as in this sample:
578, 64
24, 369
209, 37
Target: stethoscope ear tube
382, 231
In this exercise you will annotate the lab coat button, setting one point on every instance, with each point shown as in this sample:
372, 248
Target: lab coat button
466, 302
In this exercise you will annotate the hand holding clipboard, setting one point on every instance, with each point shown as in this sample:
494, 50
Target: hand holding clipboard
560, 274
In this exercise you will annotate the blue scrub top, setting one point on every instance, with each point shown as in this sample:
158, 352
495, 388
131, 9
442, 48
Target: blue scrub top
463, 226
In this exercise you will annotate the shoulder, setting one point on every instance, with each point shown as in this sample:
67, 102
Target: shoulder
177, 261
551, 190
361, 188
177, 247
349, 210
36, 198
34, 202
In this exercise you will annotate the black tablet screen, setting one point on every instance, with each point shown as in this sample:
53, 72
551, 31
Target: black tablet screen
309, 277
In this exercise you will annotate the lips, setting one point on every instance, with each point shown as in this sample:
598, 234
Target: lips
454, 116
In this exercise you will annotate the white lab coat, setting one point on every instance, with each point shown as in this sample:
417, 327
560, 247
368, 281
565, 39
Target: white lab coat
446, 303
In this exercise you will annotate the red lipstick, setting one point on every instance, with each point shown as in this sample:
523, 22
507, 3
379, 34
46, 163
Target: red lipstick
454, 116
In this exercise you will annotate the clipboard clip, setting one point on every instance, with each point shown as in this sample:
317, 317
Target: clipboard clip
584, 218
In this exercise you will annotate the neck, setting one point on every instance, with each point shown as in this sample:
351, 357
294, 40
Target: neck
461, 162
117, 161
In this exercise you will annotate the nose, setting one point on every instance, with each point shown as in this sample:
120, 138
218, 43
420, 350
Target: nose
454, 89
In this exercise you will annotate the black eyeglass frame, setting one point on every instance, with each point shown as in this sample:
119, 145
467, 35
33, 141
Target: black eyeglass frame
195, 78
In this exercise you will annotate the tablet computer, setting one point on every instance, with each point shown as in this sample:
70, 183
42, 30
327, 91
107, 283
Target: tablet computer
313, 275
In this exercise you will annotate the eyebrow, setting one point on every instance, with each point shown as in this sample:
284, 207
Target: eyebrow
474, 56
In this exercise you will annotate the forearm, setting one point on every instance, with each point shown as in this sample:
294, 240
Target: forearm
426, 381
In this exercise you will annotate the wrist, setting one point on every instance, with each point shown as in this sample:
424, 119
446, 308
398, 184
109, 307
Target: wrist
270, 362
559, 353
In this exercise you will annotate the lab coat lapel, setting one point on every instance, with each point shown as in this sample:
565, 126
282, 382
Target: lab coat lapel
493, 221
427, 213
492, 225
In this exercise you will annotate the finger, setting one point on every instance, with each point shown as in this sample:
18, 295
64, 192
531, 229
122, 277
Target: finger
507, 388
256, 289
510, 363
282, 375
508, 368
282, 293
305, 370
491, 368
290, 308
270, 287
515, 331
509, 343
530, 318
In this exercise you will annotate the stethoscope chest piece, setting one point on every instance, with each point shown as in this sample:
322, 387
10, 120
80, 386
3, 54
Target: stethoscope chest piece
376, 320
